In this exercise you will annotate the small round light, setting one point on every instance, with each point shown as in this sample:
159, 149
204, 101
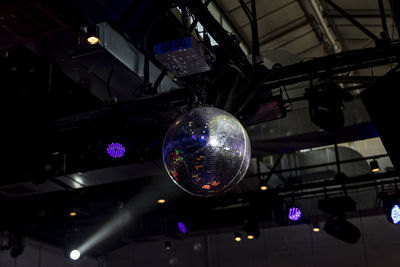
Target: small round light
73, 213
238, 237
93, 40
167, 246
250, 237
263, 188
316, 228
75, 255
161, 201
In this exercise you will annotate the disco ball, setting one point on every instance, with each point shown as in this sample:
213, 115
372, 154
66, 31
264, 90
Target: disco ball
206, 151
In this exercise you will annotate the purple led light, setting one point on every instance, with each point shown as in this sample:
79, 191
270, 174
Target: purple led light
395, 214
116, 150
294, 214
182, 227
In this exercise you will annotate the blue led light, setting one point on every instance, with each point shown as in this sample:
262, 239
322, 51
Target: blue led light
395, 214
182, 227
116, 150
294, 214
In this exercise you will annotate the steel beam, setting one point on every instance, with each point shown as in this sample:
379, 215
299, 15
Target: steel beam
353, 21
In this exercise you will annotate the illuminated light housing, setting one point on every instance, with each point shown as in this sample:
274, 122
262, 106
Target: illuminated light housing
237, 237
167, 245
263, 187
92, 35
250, 236
395, 214
182, 227
316, 228
74, 254
93, 40
374, 166
294, 213
116, 150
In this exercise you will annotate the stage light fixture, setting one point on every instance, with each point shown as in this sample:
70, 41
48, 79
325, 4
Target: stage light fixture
374, 166
391, 205
237, 236
294, 213
116, 150
326, 105
92, 35
395, 214
167, 246
182, 228
338, 227
316, 228
74, 254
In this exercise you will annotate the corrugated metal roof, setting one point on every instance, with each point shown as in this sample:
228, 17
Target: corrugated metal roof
289, 25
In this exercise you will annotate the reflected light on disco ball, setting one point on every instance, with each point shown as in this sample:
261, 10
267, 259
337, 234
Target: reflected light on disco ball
116, 150
206, 151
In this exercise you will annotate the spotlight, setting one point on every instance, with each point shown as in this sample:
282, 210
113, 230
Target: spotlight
316, 228
182, 228
374, 166
294, 213
326, 106
116, 150
252, 229
336, 225
92, 35
74, 254
167, 246
238, 236
263, 185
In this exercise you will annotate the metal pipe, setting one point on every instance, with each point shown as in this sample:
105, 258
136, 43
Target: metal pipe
325, 29
318, 165
254, 35
383, 18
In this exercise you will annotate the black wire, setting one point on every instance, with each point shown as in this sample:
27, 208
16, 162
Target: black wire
288, 98
246, 10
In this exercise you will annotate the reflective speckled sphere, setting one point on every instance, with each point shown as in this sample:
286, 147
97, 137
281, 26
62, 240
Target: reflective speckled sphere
206, 151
